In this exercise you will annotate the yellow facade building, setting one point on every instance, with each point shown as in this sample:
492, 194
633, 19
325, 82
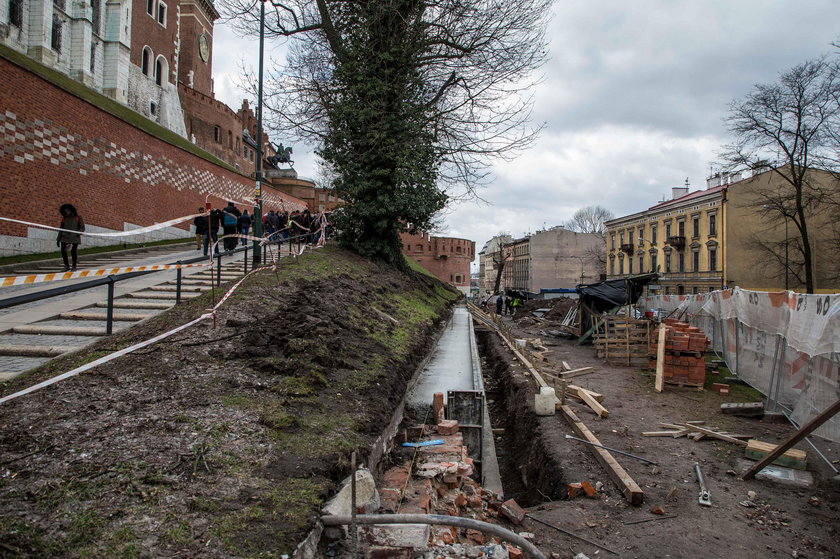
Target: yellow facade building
712, 239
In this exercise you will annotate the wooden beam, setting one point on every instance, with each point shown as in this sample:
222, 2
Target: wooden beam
576, 372
594, 404
576, 390
566, 366
716, 435
659, 385
631, 490
806, 430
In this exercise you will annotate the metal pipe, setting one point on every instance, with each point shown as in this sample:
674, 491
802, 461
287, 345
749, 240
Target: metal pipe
613, 450
563, 530
439, 520
178, 285
109, 320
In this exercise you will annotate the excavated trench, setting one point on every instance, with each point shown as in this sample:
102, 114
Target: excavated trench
531, 473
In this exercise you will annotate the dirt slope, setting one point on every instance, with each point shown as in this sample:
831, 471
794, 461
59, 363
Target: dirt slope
217, 442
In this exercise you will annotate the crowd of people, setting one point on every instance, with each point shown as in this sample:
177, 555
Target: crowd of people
277, 226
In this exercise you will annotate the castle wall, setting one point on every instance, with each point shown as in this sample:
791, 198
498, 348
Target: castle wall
447, 258
58, 148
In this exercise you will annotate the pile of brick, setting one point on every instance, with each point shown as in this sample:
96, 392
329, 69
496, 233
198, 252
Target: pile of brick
440, 484
684, 348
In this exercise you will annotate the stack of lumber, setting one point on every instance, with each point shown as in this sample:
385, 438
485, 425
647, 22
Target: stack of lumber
620, 339
685, 345
697, 431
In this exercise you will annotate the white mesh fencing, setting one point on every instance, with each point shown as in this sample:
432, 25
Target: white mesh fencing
784, 344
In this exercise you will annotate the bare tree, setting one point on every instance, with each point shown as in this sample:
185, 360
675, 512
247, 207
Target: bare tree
476, 64
590, 220
791, 127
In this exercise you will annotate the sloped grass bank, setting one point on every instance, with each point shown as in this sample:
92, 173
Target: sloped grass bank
217, 442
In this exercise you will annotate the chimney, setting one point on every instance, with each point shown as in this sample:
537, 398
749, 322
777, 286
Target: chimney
678, 191
713, 181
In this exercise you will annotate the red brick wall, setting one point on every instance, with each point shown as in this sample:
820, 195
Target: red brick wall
445, 257
193, 22
145, 30
58, 148
201, 115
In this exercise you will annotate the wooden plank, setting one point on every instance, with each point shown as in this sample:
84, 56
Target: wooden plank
576, 390
806, 430
793, 458
629, 488
566, 366
594, 404
716, 435
576, 372
659, 385
662, 433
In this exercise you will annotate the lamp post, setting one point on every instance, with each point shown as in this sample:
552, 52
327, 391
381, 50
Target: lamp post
258, 205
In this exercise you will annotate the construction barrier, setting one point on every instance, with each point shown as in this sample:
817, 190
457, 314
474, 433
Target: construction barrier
784, 344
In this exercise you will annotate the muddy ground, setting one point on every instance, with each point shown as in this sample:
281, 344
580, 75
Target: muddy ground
538, 462
223, 440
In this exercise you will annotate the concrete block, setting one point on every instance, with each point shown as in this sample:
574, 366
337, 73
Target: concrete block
396, 535
367, 497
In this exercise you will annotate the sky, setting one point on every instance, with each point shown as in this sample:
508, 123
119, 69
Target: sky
633, 100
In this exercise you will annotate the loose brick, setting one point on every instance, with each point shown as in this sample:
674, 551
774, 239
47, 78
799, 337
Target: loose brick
514, 552
437, 406
447, 427
512, 511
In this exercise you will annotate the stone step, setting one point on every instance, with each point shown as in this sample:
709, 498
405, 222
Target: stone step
34, 350
174, 288
59, 330
167, 296
135, 305
124, 317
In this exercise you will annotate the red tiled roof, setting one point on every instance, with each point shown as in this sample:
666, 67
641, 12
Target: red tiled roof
689, 196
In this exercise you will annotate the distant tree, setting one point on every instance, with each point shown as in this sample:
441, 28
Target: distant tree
590, 220
791, 127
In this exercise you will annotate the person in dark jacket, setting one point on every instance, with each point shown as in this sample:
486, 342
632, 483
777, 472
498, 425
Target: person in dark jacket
213, 220
67, 240
244, 224
229, 225
500, 300
200, 223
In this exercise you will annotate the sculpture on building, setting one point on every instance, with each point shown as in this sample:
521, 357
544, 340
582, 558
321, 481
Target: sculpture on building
281, 155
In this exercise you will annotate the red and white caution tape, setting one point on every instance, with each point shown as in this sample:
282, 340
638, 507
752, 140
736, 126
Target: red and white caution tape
139, 231
127, 350
58, 276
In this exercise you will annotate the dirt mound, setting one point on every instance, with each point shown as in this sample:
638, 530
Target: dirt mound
557, 308
217, 442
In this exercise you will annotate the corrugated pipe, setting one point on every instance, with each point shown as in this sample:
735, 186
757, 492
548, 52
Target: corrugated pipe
438, 519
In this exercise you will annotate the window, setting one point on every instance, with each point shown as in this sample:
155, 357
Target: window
612, 240
458, 278
681, 262
712, 259
695, 226
217, 134
621, 238
653, 234
621, 267
153, 107
419, 248
641, 263
161, 14
695, 260
159, 72
245, 153
667, 231
695, 290
712, 225
612, 267
96, 15
16, 12
681, 228
653, 262
668, 263
146, 62
55, 36
150, 7
92, 57
630, 265
230, 139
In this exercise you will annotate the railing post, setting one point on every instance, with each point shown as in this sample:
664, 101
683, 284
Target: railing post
219, 271
109, 319
178, 284
246, 259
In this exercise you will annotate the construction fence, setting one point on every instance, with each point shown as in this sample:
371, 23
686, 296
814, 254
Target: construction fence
784, 344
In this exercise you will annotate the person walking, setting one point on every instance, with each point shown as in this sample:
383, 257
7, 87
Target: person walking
67, 240
229, 225
244, 224
500, 300
212, 236
200, 223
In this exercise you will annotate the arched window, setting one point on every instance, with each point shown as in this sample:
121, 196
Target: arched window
230, 139
146, 62
161, 70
